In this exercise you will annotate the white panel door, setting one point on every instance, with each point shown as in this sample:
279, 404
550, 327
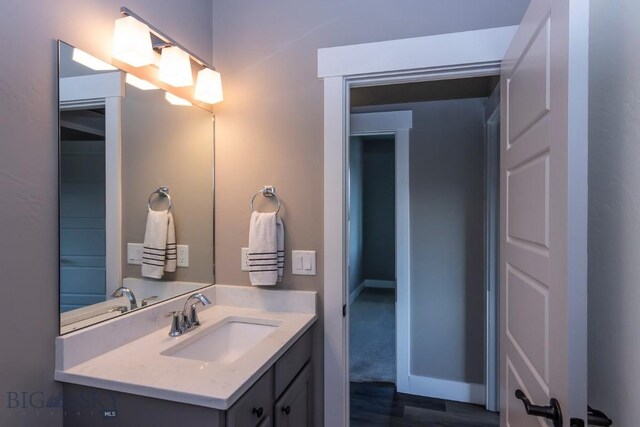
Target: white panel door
543, 264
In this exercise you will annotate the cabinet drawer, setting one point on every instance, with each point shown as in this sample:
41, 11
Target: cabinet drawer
288, 366
255, 405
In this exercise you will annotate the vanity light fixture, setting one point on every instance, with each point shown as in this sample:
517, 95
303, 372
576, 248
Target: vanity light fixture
175, 67
132, 42
176, 100
139, 83
175, 62
82, 57
208, 86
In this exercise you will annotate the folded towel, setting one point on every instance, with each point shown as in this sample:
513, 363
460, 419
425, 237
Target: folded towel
280, 236
172, 250
158, 234
266, 249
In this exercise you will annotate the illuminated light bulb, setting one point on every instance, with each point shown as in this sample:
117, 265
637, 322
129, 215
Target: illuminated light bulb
175, 67
82, 57
176, 100
132, 42
139, 83
208, 86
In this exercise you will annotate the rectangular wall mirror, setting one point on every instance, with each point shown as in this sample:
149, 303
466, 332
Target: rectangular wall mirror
120, 140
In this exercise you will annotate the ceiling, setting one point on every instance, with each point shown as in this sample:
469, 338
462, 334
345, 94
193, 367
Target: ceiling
474, 87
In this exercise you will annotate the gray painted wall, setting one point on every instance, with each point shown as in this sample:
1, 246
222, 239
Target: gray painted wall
270, 132
379, 208
29, 170
269, 129
614, 211
447, 242
164, 144
447, 237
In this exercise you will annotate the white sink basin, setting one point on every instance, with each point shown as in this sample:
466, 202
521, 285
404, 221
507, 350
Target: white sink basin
224, 342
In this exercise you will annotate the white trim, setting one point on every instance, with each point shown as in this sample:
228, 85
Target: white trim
105, 89
336, 398
96, 86
113, 193
343, 67
380, 284
387, 121
418, 53
492, 244
398, 123
355, 293
446, 389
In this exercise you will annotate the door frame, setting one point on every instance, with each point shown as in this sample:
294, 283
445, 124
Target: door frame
445, 56
397, 123
106, 90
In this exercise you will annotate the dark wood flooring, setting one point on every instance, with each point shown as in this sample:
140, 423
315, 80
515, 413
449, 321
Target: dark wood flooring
378, 404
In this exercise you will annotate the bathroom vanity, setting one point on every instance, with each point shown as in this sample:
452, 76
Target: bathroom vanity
248, 364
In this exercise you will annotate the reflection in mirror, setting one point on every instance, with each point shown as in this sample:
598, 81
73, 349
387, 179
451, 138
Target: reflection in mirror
121, 141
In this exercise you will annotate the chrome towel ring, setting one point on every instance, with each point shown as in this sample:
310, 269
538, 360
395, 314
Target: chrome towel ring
267, 191
161, 192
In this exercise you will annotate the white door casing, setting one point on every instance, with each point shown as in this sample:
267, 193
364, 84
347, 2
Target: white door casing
543, 265
398, 123
436, 57
107, 90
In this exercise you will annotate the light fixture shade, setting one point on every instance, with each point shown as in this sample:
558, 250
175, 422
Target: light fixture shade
175, 67
208, 86
139, 83
132, 42
82, 57
176, 100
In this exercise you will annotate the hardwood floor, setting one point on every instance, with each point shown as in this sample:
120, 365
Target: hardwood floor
378, 404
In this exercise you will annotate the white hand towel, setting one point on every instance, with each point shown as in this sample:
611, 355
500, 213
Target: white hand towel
155, 244
280, 236
266, 239
172, 250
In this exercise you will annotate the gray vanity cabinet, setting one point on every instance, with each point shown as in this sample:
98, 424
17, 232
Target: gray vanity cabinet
293, 408
255, 406
282, 397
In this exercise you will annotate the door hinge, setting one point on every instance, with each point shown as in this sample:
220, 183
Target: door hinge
344, 310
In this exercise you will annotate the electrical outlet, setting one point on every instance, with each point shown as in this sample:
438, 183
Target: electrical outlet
244, 259
134, 253
183, 256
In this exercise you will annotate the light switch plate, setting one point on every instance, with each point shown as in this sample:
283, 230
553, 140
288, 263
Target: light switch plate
183, 256
303, 263
134, 253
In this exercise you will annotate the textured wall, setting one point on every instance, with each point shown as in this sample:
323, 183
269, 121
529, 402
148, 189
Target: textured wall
614, 210
29, 171
269, 129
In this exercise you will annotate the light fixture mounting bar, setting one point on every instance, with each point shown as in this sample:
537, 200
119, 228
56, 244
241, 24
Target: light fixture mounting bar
125, 11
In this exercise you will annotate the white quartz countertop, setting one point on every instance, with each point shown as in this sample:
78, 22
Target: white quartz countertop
139, 367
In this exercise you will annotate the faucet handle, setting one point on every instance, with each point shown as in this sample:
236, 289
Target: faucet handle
176, 323
146, 300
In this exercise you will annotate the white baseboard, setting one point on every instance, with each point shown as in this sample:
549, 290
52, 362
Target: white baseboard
445, 389
355, 293
387, 284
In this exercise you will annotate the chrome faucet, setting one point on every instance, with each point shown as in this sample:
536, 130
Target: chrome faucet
192, 316
126, 292
183, 321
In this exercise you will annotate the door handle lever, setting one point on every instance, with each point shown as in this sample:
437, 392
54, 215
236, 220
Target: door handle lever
597, 418
551, 412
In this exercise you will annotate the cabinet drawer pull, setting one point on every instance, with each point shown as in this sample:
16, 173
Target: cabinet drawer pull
259, 411
286, 409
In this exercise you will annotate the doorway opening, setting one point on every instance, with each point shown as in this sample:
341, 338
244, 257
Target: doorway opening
429, 327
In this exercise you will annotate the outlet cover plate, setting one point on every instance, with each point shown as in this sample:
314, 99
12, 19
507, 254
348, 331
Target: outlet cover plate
244, 259
183, 256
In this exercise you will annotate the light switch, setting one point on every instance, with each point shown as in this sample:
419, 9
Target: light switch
304, 263
134, 253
